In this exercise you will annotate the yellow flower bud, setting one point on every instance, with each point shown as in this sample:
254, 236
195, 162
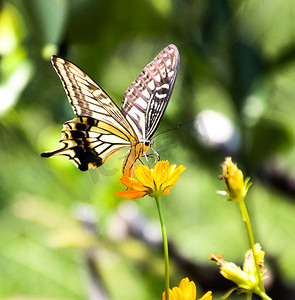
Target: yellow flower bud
234, 181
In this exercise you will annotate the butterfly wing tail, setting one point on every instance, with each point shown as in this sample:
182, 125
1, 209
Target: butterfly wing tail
77, 145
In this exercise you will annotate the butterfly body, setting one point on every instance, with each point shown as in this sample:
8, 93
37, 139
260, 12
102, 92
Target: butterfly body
101, 128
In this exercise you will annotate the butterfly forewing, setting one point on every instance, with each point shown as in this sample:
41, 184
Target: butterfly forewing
145, 101
86, 96
100, 128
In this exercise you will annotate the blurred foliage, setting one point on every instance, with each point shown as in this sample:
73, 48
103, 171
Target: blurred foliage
237, 59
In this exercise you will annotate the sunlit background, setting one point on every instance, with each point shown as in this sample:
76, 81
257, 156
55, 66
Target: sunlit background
63, 232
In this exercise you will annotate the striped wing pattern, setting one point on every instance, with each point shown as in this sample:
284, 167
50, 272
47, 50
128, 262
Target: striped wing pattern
101, 128
87, 98
87, 141
145, 101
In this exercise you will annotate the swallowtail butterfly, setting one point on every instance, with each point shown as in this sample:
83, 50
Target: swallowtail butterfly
101, 128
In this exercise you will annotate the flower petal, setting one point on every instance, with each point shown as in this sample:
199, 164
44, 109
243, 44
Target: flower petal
176, 293
133, 183
154, 182
167, 189
173, 178
188, 288
160, 172
127, 181
144, 175
131, 194
207, 296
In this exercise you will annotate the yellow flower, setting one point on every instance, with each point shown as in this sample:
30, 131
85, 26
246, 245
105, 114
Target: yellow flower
245, 279
154, 182
186, 291
234, 181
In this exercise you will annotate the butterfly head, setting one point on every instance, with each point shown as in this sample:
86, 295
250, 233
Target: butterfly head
146, 144
143, 146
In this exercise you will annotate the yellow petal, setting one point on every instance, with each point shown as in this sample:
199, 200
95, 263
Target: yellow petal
173, 178
160, 172
137, 185
171, 169
172, 295
144, 175
167, 189
207, 296
188, 288
176, 294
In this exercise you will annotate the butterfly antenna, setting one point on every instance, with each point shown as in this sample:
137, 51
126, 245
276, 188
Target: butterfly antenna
177, 127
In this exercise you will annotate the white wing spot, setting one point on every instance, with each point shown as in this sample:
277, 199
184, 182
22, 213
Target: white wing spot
92, 134
164, 86
146, 94
170, 74
151, 85
160, 95
102, 147
157, 77
141, 102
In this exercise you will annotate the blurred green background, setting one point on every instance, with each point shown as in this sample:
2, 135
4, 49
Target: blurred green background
64, 234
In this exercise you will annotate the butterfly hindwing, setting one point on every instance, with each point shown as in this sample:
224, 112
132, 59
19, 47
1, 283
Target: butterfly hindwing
145, 101
89, 142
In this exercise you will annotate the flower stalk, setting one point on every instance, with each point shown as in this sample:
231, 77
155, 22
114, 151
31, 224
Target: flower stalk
263, 295
246, 219
250, 280
165, 244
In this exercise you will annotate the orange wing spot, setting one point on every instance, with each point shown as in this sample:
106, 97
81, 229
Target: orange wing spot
92, 165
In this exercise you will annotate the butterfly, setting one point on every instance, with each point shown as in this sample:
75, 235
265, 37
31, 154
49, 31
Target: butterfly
101, 128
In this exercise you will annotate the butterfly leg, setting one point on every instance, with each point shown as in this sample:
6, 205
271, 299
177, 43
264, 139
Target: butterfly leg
147, 159
132, 169
141, 161
134, 164
155, 155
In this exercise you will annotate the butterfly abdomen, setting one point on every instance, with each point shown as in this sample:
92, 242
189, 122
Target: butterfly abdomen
136, 151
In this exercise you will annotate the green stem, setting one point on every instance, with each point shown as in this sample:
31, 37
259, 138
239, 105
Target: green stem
249, 296
165, 243
246, 219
